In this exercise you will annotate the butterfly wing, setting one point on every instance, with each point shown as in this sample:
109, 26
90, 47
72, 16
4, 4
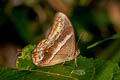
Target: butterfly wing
59, 45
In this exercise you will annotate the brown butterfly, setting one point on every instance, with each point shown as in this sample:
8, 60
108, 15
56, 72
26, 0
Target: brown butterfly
59, 46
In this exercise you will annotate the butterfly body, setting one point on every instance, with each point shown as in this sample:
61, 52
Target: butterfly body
59, 46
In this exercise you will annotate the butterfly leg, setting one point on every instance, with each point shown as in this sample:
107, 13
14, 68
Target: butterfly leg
75, 61
63, 63
77, 52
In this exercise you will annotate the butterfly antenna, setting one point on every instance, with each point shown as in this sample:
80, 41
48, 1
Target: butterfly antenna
78, 40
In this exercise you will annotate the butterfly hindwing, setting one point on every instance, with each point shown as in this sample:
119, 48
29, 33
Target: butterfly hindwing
59, 46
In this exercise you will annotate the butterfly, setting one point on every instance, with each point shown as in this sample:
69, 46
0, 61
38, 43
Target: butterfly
59, 46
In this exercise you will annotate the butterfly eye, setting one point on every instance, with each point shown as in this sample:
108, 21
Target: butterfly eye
46, 51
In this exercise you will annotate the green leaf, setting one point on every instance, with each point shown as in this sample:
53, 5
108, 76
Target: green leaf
24, 61
116, 57
117, 74
16, 74
87, 69
105, 70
